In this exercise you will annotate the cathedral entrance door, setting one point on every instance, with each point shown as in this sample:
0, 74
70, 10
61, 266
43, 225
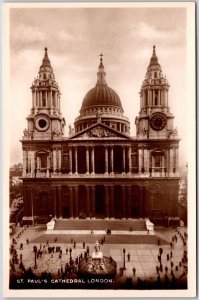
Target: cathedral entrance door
66, 212
100, 202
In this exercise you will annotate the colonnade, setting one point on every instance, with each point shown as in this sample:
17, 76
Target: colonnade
109, 207
168, 161
109, 153
46, 98
148, 97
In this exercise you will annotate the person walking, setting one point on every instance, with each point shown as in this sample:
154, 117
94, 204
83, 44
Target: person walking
171, 254
128, 256
134, 271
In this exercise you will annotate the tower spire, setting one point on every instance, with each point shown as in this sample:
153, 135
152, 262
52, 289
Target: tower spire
101, 75
154, 58
46, 61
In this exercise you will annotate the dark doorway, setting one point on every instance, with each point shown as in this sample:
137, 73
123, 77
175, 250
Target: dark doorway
135, 201
99, 202
81, 157
117, 202
82, 200
99, 160
66, 212
118, 159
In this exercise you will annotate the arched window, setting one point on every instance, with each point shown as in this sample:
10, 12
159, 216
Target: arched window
44, 76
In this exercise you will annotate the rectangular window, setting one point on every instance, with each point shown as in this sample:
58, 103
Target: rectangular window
43, 159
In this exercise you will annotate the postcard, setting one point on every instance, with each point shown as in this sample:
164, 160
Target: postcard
99, 159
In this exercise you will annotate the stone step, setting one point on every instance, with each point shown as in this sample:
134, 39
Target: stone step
120, 225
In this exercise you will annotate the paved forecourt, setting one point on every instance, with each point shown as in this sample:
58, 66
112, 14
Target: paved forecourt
143, 251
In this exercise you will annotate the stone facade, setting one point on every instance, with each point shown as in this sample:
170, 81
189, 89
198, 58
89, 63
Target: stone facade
99, 170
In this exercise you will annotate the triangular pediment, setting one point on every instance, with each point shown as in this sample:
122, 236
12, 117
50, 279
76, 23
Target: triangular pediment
99, 131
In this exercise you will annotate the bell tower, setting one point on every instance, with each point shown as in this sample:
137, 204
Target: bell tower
45, 121
155, 121
45, 126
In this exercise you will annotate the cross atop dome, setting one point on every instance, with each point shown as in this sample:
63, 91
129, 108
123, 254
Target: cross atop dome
101, 55
101, 66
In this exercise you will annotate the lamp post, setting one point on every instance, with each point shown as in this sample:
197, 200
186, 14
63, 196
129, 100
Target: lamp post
124, 267
70, 251
35, 251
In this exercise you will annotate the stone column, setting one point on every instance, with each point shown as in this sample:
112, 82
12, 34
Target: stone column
33, 99
54, 160
70, 187
141, 101
32, 164
76, 208
143, 160
48, 166
55, 202
123, 160
38, 164
76, 161
144, 99
40, 100
92, 199
87, 160
111, 201
87, 202
171, 161
70, 161
107, 204
158, 97
112, 162
59, 155
146, 160
128, 202
129, 159
140, 160
106, 160
36, 101
123, 202
162, 164
174, 160
150, 97
168, 162
177, 159
46, 99
93, 159
167, 97
60, 201
150, 163
24, 163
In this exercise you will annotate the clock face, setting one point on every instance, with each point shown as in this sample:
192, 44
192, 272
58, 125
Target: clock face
158, 121
42, 123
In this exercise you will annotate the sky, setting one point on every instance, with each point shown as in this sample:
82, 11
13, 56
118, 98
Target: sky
75, 37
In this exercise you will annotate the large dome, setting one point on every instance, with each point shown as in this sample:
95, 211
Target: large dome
101, 95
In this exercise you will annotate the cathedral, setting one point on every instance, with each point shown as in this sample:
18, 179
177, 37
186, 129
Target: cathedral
99, 170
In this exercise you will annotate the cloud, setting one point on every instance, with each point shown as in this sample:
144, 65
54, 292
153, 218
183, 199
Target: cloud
150, 32
24, 33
